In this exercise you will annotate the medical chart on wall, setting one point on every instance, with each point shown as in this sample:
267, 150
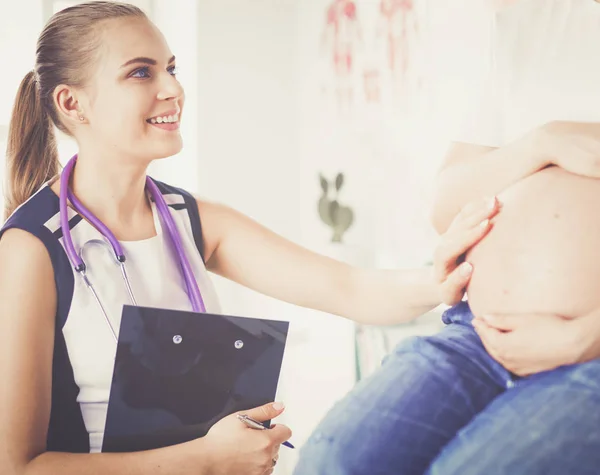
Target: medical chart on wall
399, 26
371, 52
341, 37
380, 82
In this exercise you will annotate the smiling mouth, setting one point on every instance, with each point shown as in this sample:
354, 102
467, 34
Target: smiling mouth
166, 119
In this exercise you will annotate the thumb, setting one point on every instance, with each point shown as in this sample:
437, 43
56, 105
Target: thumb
266, 412
453, 289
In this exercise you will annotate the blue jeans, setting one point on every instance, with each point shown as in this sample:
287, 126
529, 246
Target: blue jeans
440, 405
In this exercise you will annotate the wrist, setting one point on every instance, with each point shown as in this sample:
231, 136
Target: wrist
193, 457
536, 147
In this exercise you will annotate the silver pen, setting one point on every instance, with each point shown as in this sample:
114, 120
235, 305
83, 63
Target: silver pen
258, 426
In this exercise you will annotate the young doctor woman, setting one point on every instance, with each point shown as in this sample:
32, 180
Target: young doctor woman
105, 75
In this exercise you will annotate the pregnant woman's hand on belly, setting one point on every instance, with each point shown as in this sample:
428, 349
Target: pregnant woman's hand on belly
573, 146
529, 344
466, 230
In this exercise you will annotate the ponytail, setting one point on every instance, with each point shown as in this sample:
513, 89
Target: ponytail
65, 52
31, 154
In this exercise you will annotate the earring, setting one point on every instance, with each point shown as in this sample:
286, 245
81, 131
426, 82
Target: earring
81, 118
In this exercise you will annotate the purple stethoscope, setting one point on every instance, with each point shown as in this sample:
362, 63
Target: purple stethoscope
77, 259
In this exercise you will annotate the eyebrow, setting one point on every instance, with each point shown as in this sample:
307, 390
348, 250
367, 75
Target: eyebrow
145, 60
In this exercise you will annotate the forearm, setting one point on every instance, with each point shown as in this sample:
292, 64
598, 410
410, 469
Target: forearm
483, 175
387, 297
176, 460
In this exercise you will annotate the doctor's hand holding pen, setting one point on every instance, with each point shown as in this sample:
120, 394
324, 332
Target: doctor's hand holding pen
239, 449
233, 448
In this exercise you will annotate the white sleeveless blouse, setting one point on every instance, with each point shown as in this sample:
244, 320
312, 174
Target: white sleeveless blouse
156, 281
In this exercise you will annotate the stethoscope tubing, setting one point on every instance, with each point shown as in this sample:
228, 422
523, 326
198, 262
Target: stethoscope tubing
79, 264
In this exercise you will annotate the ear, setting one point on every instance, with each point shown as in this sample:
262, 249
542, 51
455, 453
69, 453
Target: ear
68, 106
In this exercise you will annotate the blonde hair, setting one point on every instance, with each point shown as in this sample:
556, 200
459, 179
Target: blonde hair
65, 51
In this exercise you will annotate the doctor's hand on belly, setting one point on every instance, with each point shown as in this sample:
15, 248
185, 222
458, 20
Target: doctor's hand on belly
468, 228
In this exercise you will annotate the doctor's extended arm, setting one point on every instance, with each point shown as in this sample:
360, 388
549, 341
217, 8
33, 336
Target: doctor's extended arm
238, 248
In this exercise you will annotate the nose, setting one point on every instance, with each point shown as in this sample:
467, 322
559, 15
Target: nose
170, 88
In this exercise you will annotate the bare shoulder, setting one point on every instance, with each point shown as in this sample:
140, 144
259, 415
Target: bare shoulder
220, 221
212, 209
21, 248
214, 217
25, 270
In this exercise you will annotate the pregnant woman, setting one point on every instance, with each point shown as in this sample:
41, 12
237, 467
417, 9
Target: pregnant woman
511, 385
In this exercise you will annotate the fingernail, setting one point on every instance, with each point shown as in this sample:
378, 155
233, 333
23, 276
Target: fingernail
278, 406
466, 269
492, 203
484, 223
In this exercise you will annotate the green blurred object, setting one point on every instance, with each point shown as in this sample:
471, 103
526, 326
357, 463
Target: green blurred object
339, 218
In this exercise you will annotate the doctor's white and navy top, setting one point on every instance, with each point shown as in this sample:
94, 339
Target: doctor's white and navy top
84, 348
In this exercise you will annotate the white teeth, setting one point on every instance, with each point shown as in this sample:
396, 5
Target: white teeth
165, 119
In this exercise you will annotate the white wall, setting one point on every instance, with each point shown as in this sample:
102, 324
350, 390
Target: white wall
247, 156
18, 35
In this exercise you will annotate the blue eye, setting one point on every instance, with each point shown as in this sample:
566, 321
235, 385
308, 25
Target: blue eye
144, 73
141, 73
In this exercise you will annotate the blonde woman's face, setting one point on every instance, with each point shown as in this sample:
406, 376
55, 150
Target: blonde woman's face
134, 100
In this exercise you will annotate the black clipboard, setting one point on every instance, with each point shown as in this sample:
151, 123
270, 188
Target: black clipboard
177, 373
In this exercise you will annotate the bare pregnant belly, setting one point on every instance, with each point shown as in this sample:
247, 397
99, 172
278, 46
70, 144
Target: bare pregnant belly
543, 253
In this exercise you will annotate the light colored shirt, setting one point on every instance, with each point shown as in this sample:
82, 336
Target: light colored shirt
545, 66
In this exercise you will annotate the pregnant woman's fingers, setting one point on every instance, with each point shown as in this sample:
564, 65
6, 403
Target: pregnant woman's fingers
453, 288
586, 165
528, 344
